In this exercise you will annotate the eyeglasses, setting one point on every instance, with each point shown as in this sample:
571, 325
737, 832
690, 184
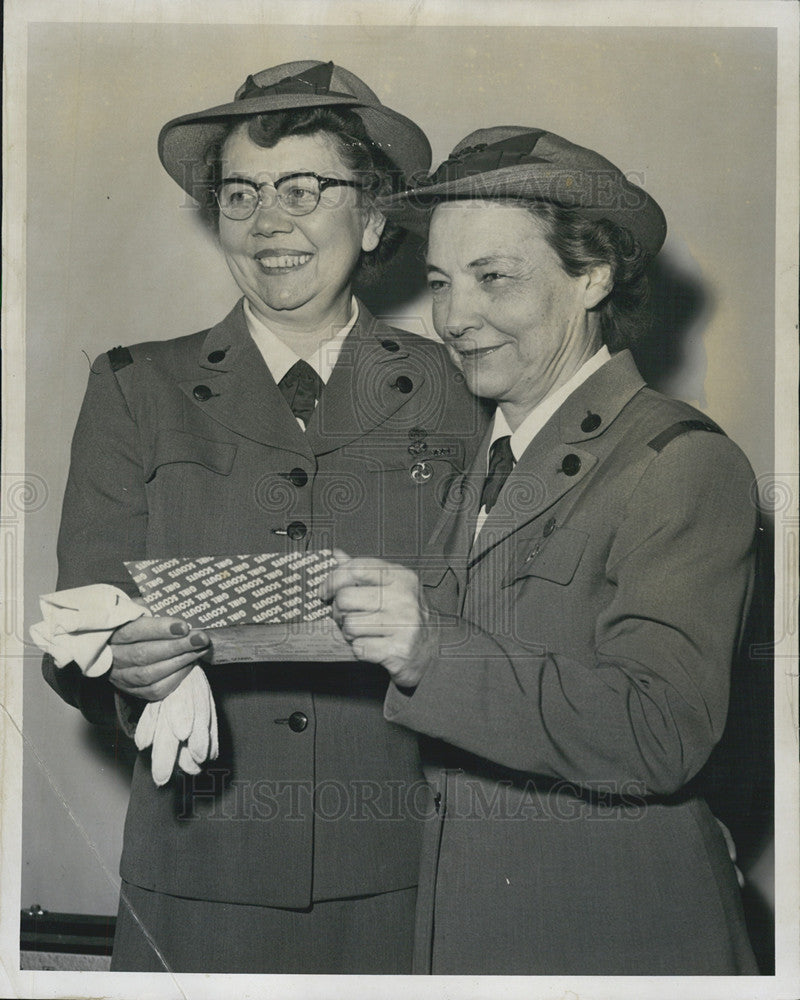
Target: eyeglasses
297, 194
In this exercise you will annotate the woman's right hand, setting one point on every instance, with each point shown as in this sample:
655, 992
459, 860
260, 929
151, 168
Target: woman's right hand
153, 655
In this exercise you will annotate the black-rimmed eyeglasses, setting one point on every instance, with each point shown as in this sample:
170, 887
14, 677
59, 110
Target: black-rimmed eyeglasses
297, 194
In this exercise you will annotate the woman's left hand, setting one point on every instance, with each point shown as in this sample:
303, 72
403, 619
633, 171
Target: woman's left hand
379, 608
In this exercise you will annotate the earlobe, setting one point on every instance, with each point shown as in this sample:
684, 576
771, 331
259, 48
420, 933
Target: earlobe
599, 282
372, 230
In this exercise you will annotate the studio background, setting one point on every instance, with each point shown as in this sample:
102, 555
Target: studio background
117, 255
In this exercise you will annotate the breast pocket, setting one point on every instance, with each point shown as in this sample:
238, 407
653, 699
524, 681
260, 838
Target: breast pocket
405, 486
173, 448
422, 462
554, 557
439, 587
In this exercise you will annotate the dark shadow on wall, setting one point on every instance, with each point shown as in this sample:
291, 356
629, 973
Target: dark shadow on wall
386, 290
678, 302
738, 780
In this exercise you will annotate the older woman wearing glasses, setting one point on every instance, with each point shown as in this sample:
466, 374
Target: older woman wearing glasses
281, 428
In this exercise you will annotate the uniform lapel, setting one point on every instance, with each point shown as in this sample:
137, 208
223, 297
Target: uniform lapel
538, 480
560, 456
233, 385
376, 374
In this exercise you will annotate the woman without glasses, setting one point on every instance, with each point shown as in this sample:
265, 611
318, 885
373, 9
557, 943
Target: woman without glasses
566, 652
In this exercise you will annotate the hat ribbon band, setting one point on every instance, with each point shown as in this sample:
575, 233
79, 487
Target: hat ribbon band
483, 158
316, 80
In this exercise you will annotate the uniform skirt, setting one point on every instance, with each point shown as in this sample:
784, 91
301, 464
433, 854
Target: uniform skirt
157, 932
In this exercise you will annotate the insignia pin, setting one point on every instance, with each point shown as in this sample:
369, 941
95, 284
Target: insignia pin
421, 472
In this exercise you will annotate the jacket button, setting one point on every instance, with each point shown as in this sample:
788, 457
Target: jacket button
202, 393
571, 465
296, 530
590, 422
390, 345
549, 528
216, 356
297, 477
403, 384
298, 722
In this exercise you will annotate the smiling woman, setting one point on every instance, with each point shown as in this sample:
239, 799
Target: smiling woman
295, 268
566, 652
514, 320
282, 428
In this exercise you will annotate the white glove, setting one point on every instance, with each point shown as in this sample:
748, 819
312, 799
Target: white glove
183, 725
76, 628
78, 624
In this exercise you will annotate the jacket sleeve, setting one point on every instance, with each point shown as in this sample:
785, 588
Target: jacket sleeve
104, 516
649, 701
103, 521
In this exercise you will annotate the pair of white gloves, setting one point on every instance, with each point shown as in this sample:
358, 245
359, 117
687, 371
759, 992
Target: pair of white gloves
76, 627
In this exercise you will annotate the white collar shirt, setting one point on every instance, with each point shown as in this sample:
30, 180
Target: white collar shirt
279, 357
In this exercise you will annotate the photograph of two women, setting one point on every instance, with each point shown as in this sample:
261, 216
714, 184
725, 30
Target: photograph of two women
407, 497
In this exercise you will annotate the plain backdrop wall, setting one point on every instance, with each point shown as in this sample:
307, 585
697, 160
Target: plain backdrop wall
116, 255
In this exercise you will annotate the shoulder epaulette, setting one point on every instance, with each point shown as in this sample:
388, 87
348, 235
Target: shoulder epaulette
119, 357
660, 441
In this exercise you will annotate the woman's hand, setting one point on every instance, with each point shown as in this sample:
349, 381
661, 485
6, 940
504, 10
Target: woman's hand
379, 608
153, 655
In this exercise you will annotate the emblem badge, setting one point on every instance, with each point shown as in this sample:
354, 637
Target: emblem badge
421, 472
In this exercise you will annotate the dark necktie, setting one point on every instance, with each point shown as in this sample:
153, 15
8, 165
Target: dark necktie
301, 387
501, 462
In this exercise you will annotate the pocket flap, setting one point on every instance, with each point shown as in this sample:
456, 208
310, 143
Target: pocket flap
553, 558
432, 575
180, 446
404, 455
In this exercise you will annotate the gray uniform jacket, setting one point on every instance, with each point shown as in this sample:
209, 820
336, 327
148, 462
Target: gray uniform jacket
187, 447
586, 639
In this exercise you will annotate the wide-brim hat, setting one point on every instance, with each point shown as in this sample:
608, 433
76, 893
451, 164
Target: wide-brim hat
309, 83
512, 161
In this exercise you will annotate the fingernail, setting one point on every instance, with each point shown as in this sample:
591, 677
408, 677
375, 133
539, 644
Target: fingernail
199, 639
179, 628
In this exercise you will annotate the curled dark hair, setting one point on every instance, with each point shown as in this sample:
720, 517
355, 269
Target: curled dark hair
346, 130
582, 243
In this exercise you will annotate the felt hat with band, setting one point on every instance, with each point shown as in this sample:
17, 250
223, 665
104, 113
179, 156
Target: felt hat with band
183, 142
511, 161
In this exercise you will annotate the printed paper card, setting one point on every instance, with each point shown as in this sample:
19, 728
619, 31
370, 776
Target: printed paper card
218, 591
